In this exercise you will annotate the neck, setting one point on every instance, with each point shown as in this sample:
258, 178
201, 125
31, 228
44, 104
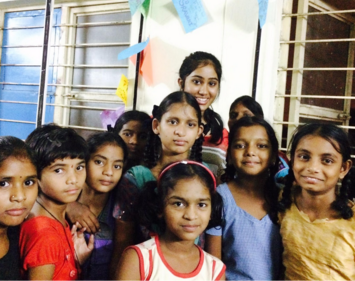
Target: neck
46, 206
175, 245
3, 232
93, 199
251, 185
167, 159
316, 206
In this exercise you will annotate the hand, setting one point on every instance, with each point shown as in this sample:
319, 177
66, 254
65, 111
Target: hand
77, 212
82, 249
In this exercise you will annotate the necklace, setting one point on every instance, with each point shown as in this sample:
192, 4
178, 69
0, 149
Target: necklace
77, 261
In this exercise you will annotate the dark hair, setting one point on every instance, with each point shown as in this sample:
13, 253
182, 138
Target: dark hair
151, 201
190, 63
271, 191
133, 115
153, 146
249, 103
340, 141
98, 140
12, 146
51, 142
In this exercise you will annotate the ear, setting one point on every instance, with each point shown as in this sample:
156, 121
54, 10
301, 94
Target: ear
180, 83
155, 126
200, 130
345, 168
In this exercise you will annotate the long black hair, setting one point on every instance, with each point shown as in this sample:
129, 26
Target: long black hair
153, 147
340, 141
192, 62
151, 201
271, 191
250, 104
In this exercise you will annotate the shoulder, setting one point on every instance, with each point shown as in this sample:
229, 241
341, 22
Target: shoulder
223, 189
139, 175
39, 224
218, 267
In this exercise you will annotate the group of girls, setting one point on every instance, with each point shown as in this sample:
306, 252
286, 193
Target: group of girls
162, 207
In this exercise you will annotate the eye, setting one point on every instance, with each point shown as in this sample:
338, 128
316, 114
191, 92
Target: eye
4, 184
98, 162
179, 204
263, 145
29, 182
192, 125
196, 82
127, 134
172, 122
247, 115
117, 167
239, 146
202, 205
303, 157
80, 167
213, 84
58, 171
328, 161
233, 115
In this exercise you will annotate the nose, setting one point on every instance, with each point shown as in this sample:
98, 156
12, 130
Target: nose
108, 170
203, 88
190, 213
180, 130
72, 177
249, 150
133, 139
18, 194
313, 166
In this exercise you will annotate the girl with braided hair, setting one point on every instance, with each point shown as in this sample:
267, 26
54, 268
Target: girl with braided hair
175, 136
316, 215
248, 240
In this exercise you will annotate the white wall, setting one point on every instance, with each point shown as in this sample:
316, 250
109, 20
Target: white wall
230, 35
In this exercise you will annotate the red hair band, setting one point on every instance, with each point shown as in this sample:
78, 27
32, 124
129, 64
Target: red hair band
188, 162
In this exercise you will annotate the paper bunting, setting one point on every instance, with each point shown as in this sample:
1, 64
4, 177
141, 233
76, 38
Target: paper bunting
109, 117
122, 89
134, 5
262, 11
191, 13
132, 50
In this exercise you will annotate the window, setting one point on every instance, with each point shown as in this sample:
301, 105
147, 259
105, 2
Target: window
315, 75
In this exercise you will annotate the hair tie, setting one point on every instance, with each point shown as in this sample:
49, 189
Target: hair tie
155, 110
187, 162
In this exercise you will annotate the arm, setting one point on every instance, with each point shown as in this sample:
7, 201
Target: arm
43, 272
124, 237
213, 245
77, 212
128, 267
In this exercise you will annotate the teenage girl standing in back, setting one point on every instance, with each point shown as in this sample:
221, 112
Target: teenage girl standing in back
248, 241
317, 217
200, 75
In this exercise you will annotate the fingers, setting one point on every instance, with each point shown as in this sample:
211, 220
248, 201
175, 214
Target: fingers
91, 224
91, 242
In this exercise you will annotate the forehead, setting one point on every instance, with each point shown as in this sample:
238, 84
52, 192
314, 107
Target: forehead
67, 161
240, 107
13, 165
318, 145
109, 149
206, 71
133, 125
252, 132
181, 110
189, 188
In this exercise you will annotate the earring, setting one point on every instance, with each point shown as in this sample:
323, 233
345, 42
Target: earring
338, 186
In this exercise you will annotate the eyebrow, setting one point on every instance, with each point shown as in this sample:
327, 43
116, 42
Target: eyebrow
9, 177
63, 164
307, 151
101, 156
183, 199
210, 78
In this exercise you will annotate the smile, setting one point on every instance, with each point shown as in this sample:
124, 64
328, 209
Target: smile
16, 212
202, 101
311, 179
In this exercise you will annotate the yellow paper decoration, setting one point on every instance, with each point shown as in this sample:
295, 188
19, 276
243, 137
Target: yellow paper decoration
122, 89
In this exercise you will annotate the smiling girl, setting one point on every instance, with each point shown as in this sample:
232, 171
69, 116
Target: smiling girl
200, 75
317, 217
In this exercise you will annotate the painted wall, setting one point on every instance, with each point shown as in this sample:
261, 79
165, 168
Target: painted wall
230, 35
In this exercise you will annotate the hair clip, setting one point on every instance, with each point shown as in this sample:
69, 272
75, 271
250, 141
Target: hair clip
57, 143
188, 162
